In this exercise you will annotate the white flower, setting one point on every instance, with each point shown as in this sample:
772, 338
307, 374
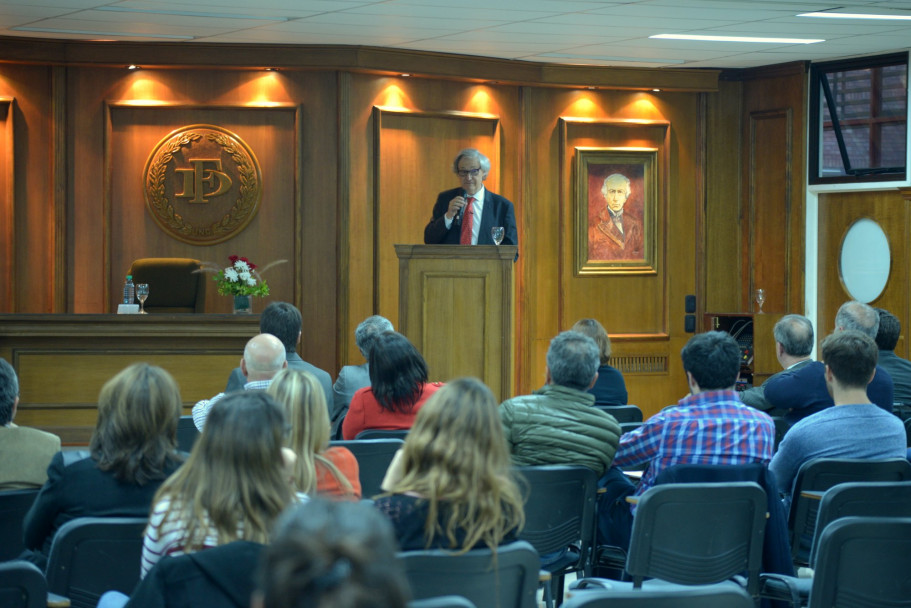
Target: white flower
241, 267
251, 282
244, 276
231, 275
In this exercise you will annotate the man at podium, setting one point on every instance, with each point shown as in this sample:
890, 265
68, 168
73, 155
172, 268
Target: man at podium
466, 215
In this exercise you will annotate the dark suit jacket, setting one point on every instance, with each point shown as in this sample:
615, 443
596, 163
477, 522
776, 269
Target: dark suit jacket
497, 211
755, 397
237, 380
609, 388
900, 370
804, 391
221, 577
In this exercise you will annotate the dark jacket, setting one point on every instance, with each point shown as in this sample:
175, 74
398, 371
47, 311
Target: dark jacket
497, 211
221, 577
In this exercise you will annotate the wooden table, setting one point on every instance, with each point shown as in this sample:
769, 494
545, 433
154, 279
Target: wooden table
63, 360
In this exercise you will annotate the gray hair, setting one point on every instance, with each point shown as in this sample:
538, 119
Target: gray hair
573, 360
366, 333
9, 390
858, 316
795, 334
473, 154
616, 177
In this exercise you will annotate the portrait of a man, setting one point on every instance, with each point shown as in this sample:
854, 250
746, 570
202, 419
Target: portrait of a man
615, 229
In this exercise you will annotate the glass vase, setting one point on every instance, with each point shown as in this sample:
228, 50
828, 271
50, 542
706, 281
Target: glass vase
243, 305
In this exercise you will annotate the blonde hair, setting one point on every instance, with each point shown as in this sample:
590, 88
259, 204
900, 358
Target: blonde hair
456, 454
234, 479
303, 400
595, 331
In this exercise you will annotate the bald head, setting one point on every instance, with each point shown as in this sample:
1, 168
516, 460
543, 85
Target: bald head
264, 356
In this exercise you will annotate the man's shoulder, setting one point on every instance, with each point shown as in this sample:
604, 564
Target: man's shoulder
33, 435
295, 362
496, 198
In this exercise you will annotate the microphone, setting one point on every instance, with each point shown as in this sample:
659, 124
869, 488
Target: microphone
457, 220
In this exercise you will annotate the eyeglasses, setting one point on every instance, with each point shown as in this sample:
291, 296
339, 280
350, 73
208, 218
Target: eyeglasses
469, 172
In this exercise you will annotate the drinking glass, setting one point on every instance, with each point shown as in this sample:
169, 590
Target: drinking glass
142, 292
760, 298
497, 233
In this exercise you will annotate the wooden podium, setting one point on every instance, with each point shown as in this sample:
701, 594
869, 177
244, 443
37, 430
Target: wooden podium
456, 306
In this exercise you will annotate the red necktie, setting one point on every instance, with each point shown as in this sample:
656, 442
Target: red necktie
467, 223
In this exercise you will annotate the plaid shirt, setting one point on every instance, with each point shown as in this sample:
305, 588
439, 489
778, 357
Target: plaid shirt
713, 427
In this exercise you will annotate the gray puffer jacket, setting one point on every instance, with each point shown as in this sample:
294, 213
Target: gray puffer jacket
559, 425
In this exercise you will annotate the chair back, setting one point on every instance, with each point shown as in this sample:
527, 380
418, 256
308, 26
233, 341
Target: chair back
383, 434
508, 579
862, 499
373, 458
823, 473
14, 504
863, 562
91, 555
626, 427
187, 433
22, 585
623, 413
781, 428
698, 533
444, 601
703, 596
174, 286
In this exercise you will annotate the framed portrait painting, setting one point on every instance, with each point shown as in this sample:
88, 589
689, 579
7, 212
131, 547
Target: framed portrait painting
616, 203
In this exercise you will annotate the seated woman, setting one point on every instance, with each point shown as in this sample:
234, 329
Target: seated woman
319, 469
331, 555
451, 486
609, 388
233, 486
131, 452
398, 388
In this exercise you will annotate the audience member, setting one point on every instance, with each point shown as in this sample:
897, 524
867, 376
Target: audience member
803, 392
451, 486
710, 426
24, 452
133, 449
890, 328
609, 388
331, 471
232, 487
283, 320
354, 377
854, 427
557, 423
264, 356
793, 345
331, 555
398, 387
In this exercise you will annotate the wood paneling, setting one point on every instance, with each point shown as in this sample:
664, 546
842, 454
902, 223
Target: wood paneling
63, 360
890, 209
7, 214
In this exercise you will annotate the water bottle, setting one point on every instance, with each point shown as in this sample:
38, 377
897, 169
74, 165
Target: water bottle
129, 291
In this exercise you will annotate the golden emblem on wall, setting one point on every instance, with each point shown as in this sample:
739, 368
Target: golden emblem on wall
202, 184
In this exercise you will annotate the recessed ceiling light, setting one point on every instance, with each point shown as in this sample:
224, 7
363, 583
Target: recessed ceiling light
133, 66
737, 39
405, 75
856, 16
656, 90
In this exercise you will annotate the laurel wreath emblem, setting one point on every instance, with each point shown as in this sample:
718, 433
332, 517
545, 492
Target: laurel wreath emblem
241, 212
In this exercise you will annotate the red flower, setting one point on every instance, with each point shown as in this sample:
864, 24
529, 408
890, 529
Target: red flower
233, 258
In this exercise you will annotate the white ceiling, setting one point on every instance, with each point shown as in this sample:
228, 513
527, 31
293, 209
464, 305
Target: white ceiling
595, 32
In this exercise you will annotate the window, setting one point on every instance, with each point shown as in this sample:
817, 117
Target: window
858, 119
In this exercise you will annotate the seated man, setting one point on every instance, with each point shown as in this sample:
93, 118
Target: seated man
264, 357
24, 452
558, 423
353, 377
283, 320
793, 345
854, 427
710, 426
803, 392
890, 328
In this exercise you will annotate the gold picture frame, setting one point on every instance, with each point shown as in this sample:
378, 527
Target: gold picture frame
609, 180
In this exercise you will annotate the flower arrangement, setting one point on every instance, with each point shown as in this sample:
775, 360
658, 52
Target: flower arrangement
241, 278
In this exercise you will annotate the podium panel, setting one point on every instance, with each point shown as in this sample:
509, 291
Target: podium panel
456, 306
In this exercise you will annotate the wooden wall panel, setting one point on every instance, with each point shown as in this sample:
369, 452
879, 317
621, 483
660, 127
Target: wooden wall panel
643, 314
7, 215
404, 142
271, 235
891, 209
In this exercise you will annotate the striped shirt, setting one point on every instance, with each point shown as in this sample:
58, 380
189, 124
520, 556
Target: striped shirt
712, 427
202, 408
